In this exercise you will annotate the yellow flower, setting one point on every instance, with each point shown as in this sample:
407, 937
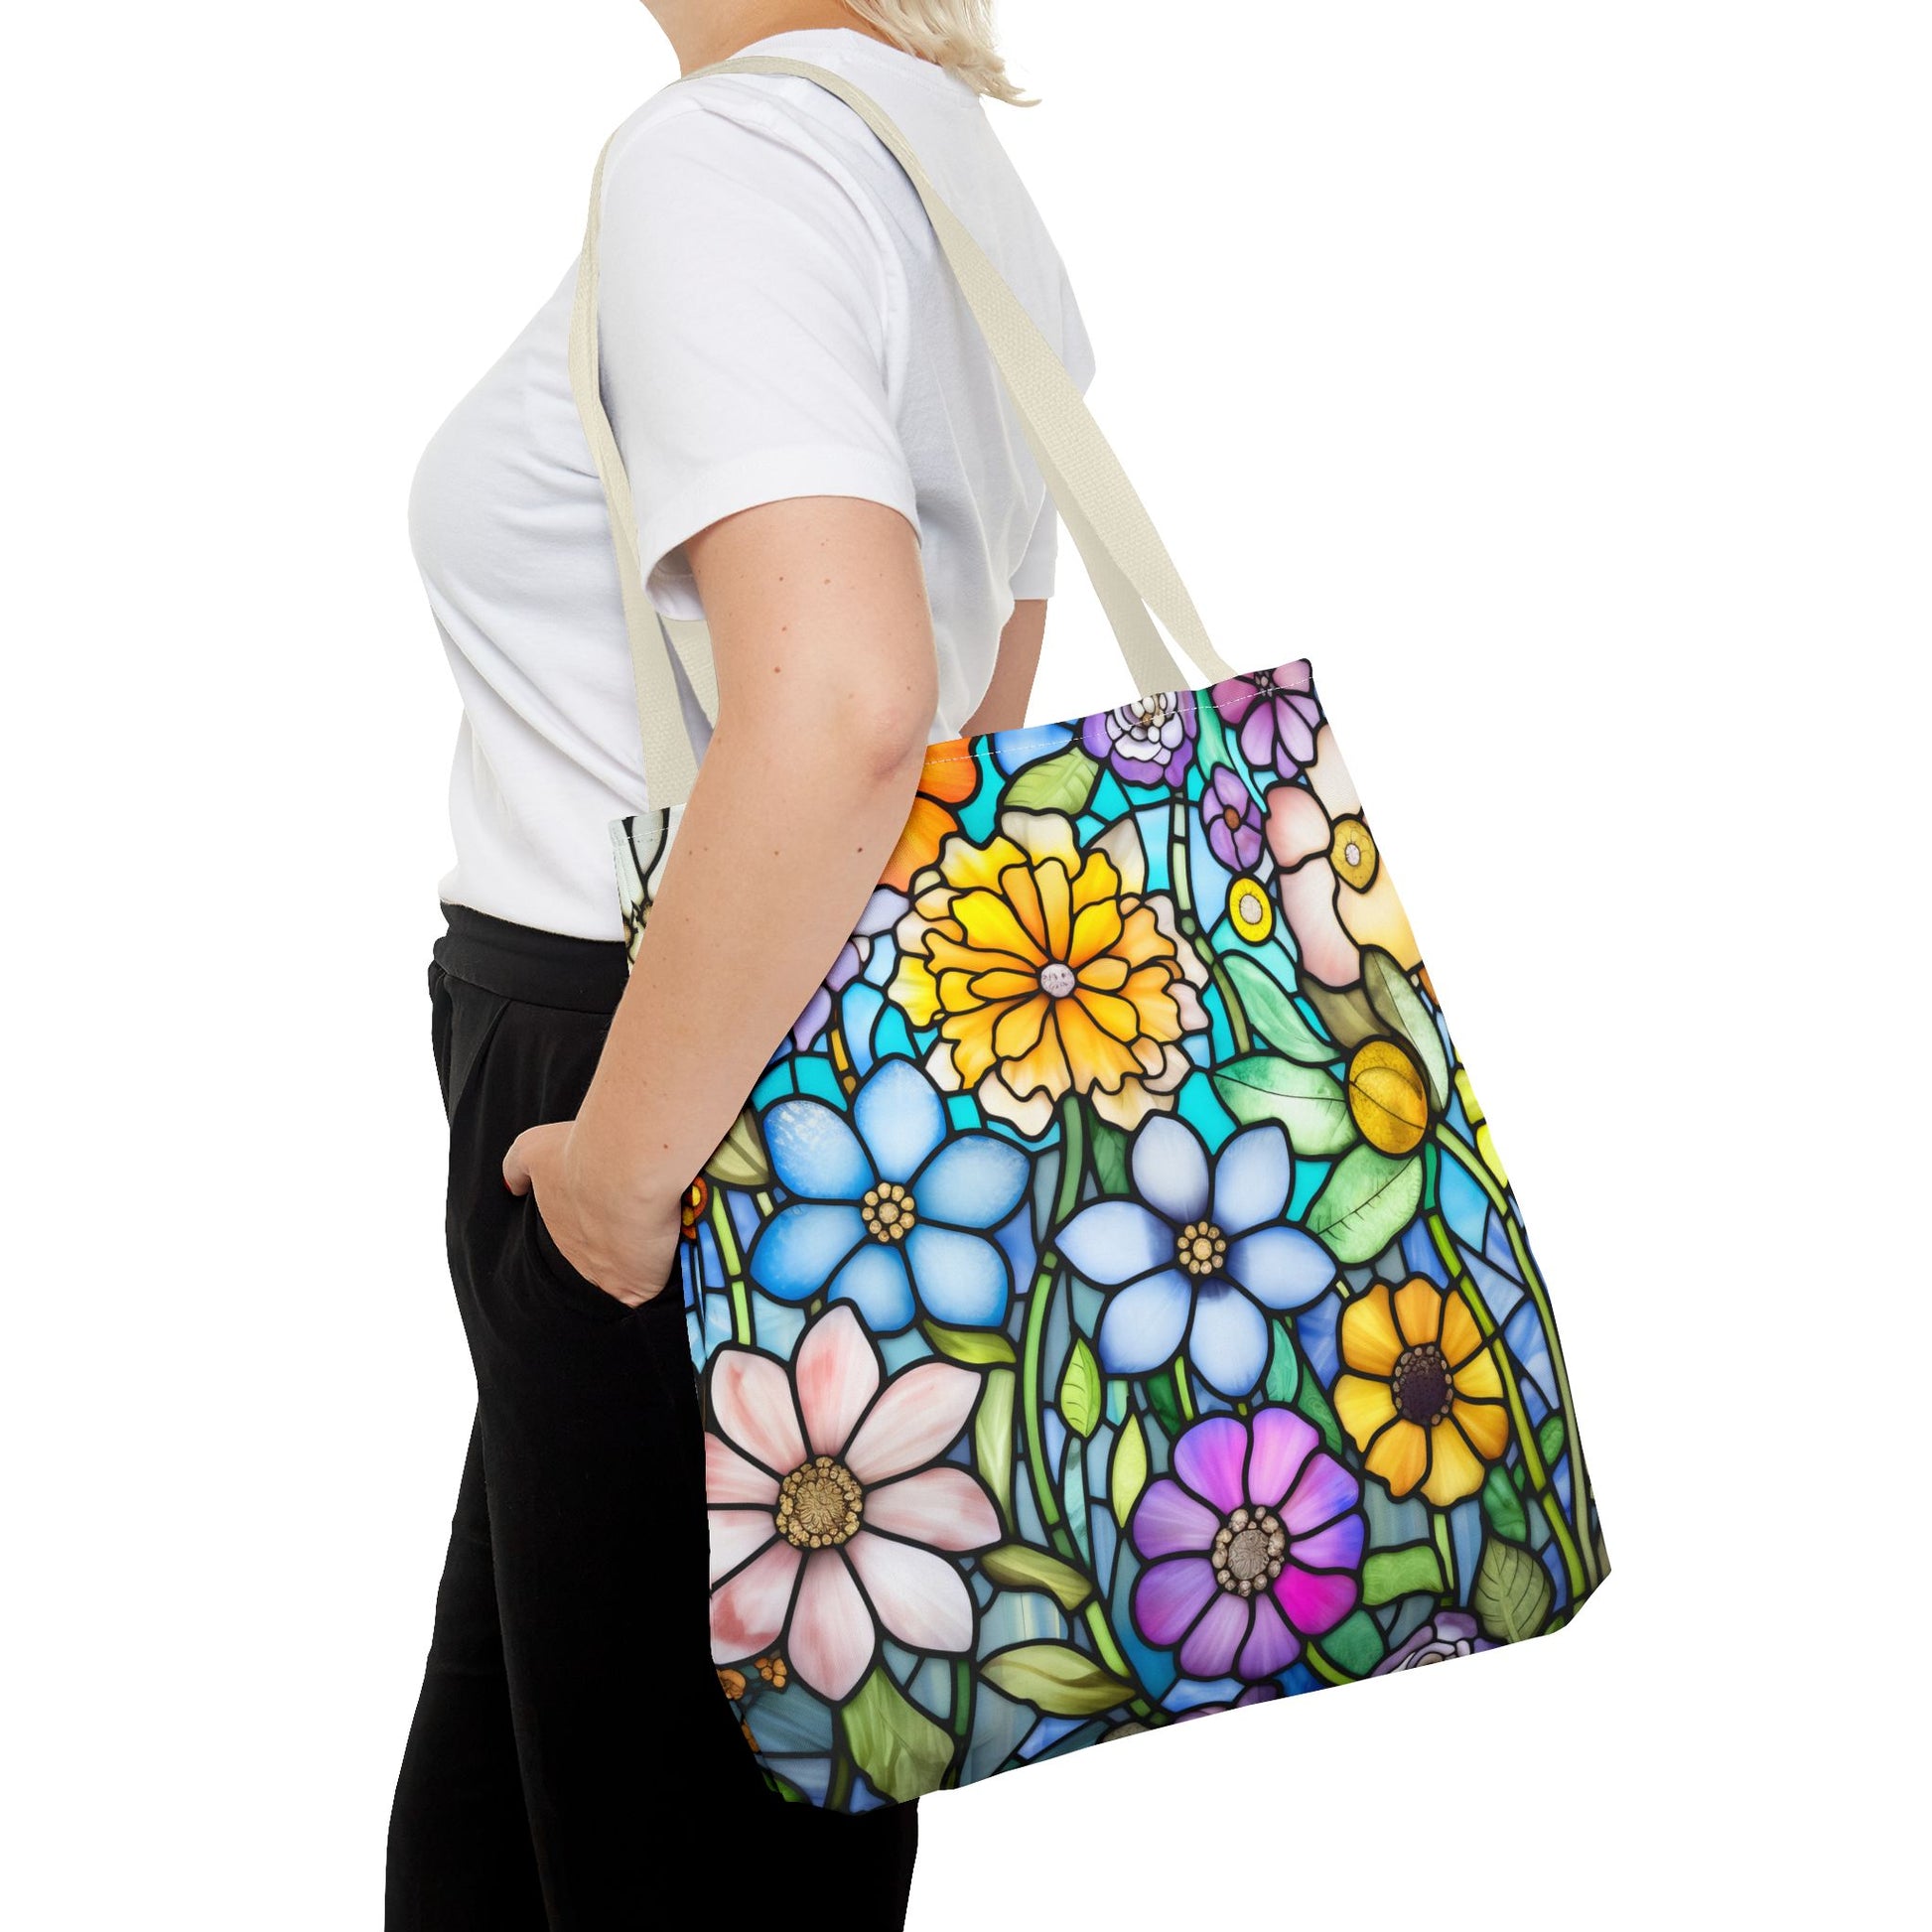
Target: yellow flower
1047, 971
1248, 910
1424, 1403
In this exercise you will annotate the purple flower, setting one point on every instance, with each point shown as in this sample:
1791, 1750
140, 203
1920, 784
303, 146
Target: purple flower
1277, 713
883, 911
1451, 1633
1199, 1253
1148, 742
1253, 1544
1233, 820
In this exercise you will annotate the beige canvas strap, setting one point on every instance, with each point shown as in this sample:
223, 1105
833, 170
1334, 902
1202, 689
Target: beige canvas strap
1132, 572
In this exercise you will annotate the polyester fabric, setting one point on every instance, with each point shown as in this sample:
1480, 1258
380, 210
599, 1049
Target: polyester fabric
573, 1764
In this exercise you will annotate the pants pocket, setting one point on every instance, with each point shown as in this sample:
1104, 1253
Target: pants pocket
554, 1269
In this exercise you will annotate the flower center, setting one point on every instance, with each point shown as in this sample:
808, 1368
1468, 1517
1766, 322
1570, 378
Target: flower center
1231, 817
1057, 979
1265, 683
1200, 1247
888, 1211
1249, 1550
1353, 854
1252, 907
819, 1506
1423, 1387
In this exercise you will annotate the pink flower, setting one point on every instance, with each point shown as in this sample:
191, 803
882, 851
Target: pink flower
828, 1501
1277, 713
1253, 1544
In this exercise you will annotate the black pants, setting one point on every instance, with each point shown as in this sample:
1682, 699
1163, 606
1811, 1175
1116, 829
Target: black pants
573, 1763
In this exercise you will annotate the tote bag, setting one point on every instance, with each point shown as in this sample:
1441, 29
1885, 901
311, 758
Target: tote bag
1110, 1305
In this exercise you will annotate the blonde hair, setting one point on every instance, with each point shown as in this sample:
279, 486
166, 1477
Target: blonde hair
957, 34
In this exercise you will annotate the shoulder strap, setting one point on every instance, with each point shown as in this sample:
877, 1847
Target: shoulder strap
1133, 574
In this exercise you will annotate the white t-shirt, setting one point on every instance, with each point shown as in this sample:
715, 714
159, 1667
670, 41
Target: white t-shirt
777, 322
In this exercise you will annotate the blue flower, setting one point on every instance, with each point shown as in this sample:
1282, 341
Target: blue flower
1199, 1255
888, 1212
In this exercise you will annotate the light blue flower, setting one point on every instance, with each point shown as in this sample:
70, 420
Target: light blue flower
889, 1213
1199, 1255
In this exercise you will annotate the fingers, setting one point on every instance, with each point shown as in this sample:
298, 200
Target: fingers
519, 1170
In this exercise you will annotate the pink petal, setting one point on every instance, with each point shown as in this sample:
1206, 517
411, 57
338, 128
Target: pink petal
1271, 1647
1211, 1459
1168, 1520
831, 1635
1309, 905
736, 1535
729, 1478
1298, 827
918, 1417
1169, 1597
750, 1402
1214, 1641
1338, 1547
837, 1375
1313, 1603
747, 1614
1282, 1441
1325, 1490
943, 1508
922, 1599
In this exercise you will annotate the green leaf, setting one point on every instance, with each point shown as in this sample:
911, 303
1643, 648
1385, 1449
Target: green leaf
978, 1346
993, 1438
1503, 1507
901, 1752
1370, 1200
1549, 1440
1512, 1593
1311, 1104
1402, 1009
1348, 1015
1354, 1646
785, 1787
1284, 1367
1108, 1146
1017, 1566
1127, 1474
1080, 1395
1273, 1013
1312, 1402
1056, 1678
741, 1160
1063, 784
1165, 1403
1389, 1573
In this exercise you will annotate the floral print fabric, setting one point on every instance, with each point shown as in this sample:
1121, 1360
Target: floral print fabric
1110, 1305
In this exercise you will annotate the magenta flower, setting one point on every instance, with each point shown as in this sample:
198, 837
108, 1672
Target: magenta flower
828, 1501
1253, 1546
1148, 742
1233, 820
1278, 714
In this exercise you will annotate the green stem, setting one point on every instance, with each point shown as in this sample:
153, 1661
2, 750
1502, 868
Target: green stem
721, 1227
1322, 1668
1533, 1465
1073, 1161
1182, 881
1471, 1163
962, 1721
839, 1793
1446, 1550
1183, 1391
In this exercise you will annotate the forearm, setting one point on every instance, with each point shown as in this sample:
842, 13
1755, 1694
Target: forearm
780, 848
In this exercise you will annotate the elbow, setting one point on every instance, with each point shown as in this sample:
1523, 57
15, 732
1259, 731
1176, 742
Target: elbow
884, 734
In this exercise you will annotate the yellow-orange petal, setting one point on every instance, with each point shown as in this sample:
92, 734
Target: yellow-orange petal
1018, 1030
928, 827
1399, 1456
1057, 906
992, 923
1113, 1016
1455, 1470
972, 1037
1371, 1342
1460, 1336
967, 866
1042, 836
1097, 1059
1419, 1311
1096, 881
1096, 929
1107, 974
914, 990
1486, 1424
951, 774
1477, 1378
1043, 1069
1365, 1407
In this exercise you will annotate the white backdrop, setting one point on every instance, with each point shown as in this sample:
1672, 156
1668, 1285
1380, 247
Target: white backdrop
1554, 376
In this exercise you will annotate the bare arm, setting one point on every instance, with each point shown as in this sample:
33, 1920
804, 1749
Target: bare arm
826, 685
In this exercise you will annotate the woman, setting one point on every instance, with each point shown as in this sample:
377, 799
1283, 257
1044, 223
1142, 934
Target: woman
827, 470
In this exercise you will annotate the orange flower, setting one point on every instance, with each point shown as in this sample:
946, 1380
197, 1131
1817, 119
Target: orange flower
1423, 1401
1047, 971
697, 1198
951, 778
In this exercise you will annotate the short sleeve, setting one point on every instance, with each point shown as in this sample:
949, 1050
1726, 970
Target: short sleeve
745, 318
1038, 567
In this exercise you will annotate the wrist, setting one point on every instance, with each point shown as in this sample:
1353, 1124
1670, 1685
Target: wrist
619, 1177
